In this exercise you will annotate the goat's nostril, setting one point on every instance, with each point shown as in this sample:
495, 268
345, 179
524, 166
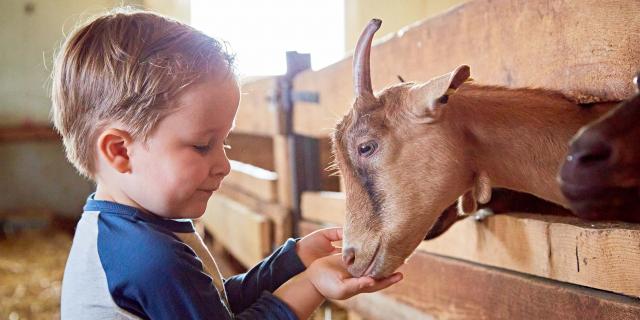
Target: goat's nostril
349, 256
594, 154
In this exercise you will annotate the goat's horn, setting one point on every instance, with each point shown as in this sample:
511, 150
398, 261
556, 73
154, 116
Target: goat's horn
361, 67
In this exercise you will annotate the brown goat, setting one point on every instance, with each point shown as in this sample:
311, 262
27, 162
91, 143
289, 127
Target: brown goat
601, 176
410, 151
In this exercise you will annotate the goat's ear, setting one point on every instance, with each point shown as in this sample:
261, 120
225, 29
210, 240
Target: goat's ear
480, 192
428, 99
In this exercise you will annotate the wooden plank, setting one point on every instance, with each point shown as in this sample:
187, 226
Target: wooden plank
328, 177
282, 155
244, 233
29, 132
305, 227
255, 181
227, 264
599, 255
323, 206
386, 307
252, 149
279, 215
449, 288
256, 115
452, 289
514, 43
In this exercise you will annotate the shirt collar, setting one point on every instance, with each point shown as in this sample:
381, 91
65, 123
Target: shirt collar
103, 206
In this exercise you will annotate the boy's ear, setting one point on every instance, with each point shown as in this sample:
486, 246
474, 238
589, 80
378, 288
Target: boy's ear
113, 147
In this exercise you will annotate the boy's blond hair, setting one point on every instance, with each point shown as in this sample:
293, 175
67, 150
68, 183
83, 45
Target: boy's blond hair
125, 66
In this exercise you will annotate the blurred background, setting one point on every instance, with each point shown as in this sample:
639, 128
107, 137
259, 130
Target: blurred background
41, 195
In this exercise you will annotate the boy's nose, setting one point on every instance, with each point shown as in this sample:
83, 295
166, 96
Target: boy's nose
221, 167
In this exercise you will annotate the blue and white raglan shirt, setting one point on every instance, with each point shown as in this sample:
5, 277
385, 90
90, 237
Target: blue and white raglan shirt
128, 264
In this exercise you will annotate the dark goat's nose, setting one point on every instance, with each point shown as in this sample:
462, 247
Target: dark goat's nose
597, 152
349, 255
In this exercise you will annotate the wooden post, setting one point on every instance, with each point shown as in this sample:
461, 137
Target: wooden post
295, 163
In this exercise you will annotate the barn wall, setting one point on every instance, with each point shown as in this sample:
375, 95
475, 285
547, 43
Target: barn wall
36, 174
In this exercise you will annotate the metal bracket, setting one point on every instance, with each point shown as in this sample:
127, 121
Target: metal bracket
305, 96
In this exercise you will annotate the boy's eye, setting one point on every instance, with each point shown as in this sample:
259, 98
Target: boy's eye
202, 149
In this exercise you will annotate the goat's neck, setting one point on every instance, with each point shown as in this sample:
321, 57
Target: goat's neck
519, 137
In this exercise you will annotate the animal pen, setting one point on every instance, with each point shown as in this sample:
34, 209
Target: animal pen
508, 266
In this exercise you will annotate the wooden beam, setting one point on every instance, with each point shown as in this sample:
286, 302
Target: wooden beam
279, 215
594, 254
449, 288
255, 181
324, 207
379, 306
256, 115
513, 43
31, 132
600, 255
328, 179
283, 169
244, 233
252, 149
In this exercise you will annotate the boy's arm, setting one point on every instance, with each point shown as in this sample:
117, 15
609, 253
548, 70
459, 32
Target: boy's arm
171, 284
245, 289
300, 295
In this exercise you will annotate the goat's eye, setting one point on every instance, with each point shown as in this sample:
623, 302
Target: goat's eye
368, 148
444, 99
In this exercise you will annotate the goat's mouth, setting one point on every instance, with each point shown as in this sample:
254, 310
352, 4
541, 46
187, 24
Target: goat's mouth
369, 269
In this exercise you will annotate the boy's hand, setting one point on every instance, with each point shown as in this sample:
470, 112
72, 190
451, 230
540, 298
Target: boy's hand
318, 244
332, 280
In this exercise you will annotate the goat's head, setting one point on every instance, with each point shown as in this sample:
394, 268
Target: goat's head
402, 164
601, 176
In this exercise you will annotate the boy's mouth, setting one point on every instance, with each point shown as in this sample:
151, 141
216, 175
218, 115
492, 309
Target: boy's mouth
208, 190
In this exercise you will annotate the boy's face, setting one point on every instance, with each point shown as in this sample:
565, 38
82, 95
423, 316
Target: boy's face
184, 161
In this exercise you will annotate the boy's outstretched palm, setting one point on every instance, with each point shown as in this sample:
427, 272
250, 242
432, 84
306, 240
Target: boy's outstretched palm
330, 277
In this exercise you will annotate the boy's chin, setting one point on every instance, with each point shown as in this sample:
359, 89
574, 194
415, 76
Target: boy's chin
193, 213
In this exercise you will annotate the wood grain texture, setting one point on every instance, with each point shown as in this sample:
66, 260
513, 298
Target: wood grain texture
252, 149
275, 212
586, 49
255, 181
600, 255
594, 254
256, 114
448, 288
282, 156
324, 207
244, 233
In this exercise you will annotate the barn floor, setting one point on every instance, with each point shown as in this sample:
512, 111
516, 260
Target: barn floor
31, 268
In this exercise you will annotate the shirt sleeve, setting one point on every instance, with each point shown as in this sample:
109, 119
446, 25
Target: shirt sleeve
168, 282
257, 284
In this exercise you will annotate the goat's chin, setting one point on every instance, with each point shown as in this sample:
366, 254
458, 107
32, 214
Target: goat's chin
380, 264
384, 268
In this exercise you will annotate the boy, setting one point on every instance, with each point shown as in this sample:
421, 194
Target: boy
144, 105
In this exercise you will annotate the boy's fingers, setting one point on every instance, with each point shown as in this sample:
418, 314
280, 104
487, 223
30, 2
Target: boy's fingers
332, 234
383, 283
